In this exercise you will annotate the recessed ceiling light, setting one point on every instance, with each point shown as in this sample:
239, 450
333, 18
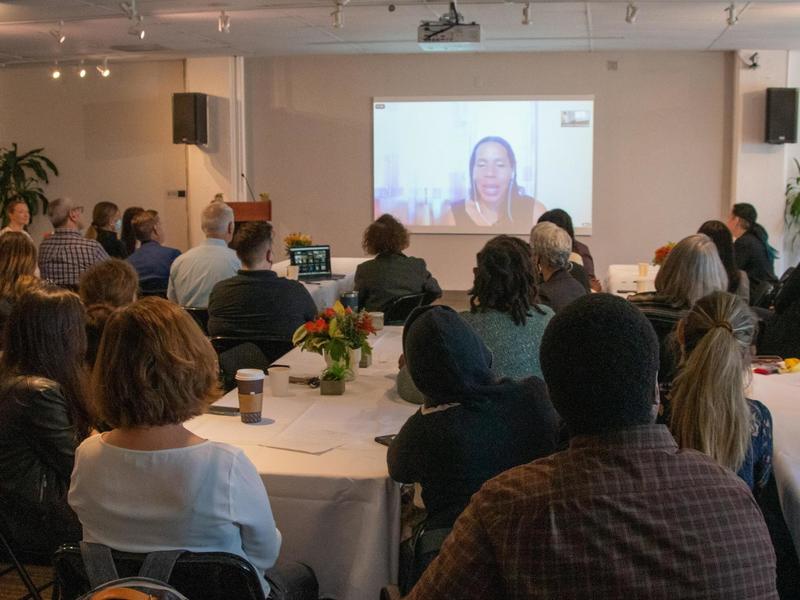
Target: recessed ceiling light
59, 34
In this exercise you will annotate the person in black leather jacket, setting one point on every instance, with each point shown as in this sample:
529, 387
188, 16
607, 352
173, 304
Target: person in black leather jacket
43, 418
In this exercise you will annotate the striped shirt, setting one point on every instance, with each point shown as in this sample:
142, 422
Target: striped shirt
65, 255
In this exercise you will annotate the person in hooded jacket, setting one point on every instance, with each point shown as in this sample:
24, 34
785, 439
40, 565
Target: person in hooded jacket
471, 426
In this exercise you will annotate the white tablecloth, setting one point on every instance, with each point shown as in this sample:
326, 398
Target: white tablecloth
624, 280
781, 394
325, 293
337, 509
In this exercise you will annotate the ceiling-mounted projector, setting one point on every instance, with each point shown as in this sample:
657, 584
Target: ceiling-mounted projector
449, 33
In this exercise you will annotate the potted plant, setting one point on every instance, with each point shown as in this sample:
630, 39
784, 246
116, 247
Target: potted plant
332, 382
337, 333
22, 175
793, 205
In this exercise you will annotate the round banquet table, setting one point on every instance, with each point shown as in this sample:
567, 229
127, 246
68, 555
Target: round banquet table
326, 477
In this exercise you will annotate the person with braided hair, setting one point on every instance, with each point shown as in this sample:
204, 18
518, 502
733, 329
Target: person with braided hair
504, 308
707, 408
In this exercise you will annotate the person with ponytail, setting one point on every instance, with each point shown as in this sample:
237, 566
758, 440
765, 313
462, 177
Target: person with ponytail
127, 236
707, 408
105, 222
754, 255
738, 283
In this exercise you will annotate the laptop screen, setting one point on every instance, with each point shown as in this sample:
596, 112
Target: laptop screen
311, 260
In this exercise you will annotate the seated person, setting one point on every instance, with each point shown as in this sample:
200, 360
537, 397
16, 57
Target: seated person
44, 415
691, 270
151, 260
754, 255
781, 332
562, 219
18, 270
391, 273
623, 513
18, 217
551, 247
149, 483
738, 282
256, 302
504, 310
105, 219
707, 409
195, 272
105, 287
66, 254
472, 426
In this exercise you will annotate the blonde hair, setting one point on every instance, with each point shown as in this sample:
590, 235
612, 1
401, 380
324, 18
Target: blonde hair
709, 411
692, 270
17, 263
102, 216
154, 367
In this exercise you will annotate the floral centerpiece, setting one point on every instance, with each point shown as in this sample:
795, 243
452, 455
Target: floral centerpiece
336, 332
296, 240
662, 252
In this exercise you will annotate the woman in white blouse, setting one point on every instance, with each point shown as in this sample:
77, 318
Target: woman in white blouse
149, 483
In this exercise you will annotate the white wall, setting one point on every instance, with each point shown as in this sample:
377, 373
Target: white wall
662, 141
791, 248
111, 139
214, 168
760, 168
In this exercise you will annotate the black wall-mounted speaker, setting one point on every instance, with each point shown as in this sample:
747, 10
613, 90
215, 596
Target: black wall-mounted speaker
189, 119
781, 116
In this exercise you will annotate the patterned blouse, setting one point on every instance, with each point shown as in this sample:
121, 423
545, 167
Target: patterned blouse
757, 466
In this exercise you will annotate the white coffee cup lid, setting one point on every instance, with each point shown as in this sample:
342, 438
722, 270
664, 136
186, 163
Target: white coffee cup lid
376, 314
249, 374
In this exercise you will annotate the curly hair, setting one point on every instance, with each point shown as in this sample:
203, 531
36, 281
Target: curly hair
386, 235
504, 279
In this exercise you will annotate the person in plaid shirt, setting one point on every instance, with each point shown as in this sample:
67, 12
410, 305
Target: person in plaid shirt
66, 254
622, 513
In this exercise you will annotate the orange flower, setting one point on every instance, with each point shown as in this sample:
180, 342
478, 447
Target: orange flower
329, 313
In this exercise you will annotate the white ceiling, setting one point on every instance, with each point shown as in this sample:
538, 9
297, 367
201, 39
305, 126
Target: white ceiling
184, 28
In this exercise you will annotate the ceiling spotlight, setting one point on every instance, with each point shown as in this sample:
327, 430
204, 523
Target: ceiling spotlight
56, 72
526, 14
103, 69
224, 22
338, 14
732, 18
137, 28
630, 13
81, 71
59, 34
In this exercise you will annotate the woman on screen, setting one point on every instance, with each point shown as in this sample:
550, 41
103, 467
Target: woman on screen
496, 200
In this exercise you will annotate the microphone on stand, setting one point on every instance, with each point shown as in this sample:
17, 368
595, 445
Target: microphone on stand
249, 189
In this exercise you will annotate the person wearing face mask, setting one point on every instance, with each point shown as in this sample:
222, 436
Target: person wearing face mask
496, 200
65, 255
551, 247
105, 224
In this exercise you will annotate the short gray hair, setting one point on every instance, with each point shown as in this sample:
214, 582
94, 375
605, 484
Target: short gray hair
551, 245
216, 218
691, 271
58, 211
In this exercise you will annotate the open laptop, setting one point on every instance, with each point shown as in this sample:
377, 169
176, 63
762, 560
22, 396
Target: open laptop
313, 262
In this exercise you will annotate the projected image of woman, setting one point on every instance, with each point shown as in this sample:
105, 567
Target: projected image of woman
496, 200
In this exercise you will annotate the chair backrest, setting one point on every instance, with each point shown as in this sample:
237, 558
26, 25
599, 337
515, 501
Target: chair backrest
397, 311
200, 316
196, 575
247, 352
153, 287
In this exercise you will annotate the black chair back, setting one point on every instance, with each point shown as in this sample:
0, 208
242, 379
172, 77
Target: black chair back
247, 352
200, 316
15, 563
153, 287
396, 312
197, 575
